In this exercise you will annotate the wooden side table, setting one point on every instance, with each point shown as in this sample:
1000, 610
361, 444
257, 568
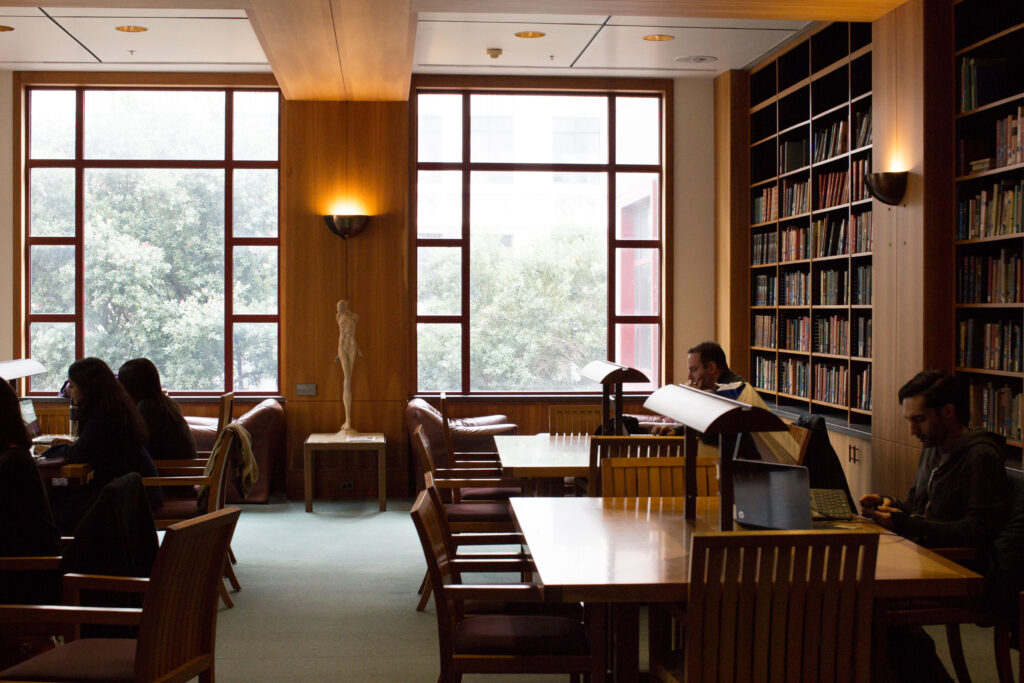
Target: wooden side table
340, 441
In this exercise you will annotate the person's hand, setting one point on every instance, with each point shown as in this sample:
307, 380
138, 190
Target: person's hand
663, 430
869, 502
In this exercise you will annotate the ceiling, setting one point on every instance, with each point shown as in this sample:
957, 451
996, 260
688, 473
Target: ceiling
366, 49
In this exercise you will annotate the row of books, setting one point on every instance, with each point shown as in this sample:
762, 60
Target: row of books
766, 205
995, 408
796, 197
862, 128
991, 212
829, 236
862, 285
861, 398
833, 189
794, 155
982, 80
765, 370
796, 291
831, 141
832, 290
764, 248
858, 167
862, 232
1009, 141
795, 377
796, 334
990, 279
831, 335
830, 383
862, 340
794, 244
990, 345
765, 287
764, 331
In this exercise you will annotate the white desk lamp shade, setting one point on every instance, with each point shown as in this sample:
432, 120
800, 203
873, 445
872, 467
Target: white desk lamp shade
23, 367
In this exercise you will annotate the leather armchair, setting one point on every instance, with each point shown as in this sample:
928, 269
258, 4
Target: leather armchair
470, 434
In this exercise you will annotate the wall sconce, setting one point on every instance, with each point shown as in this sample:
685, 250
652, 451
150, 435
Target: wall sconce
887, 188
345, 226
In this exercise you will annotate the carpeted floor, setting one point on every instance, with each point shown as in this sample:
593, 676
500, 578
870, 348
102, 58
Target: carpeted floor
331, 596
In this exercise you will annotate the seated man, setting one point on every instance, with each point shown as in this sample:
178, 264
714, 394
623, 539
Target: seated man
959, 498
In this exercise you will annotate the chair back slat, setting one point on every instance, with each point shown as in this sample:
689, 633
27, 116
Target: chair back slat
604, 447
577, 420
225, 411
780, 606
655, 476
179, 613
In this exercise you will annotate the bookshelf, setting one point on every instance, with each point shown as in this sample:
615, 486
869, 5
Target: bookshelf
810, 247
989, 239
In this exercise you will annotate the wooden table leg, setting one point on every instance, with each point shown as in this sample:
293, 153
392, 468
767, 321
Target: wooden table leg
626, 649
382, 483
307, 476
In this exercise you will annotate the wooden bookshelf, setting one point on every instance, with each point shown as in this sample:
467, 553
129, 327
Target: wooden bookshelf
810, 248
989, 227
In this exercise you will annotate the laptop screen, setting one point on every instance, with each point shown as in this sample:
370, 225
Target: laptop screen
28, 414
771, 496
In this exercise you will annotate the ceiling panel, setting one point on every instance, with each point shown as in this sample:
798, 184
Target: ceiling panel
38, 40
694, 22
514, 18
20, 12
142, 12
461, 43
170, 41
624, 46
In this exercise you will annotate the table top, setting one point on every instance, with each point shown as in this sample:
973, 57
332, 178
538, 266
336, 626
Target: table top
637, 550
345, 440
544, 455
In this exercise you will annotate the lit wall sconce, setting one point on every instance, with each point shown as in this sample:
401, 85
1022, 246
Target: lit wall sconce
887, 188
345, 226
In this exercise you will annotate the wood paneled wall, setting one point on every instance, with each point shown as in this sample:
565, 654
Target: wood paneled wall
356, 153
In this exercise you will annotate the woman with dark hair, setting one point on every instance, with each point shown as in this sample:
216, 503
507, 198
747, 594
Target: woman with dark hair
111, 438
169, 435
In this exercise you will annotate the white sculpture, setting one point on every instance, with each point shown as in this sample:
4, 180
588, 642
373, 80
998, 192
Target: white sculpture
347, 350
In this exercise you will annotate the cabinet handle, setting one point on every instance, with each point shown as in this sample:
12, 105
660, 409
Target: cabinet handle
852, 455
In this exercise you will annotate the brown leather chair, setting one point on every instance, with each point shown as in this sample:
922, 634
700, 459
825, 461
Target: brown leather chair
469, 434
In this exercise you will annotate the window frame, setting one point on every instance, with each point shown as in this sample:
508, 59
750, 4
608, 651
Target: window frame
466, 86
80, 165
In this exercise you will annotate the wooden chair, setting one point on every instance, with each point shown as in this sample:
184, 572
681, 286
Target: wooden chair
478, 458
177, 622
498, 643
652, 477
574, 420
777, 605
802, 436
602, 447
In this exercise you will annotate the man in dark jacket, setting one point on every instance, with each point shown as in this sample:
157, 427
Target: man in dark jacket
960, 498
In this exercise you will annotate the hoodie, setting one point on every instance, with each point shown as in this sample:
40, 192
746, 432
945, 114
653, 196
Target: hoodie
962, 502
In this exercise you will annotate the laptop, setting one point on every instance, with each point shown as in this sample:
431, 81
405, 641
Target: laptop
774, 496
28, 414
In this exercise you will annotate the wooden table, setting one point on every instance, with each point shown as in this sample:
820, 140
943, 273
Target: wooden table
341, 441
544, 456
630, 551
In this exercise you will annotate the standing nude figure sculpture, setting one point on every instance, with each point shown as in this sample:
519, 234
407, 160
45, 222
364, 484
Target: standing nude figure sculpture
347, 350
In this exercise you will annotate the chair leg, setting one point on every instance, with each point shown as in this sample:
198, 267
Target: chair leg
956, 653
223, 591
229, 574
231, 556
424, 597
1001, 643
423, 584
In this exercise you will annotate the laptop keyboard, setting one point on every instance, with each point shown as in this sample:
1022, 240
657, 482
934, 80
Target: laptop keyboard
830, 504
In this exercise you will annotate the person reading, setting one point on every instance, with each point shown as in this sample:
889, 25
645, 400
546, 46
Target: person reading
169, 436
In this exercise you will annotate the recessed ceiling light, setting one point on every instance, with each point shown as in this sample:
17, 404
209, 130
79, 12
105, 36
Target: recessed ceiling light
6, 28
131, 29
697, 59
658, 37
530, 34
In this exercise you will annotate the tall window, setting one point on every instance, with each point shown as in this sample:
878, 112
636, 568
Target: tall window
538, 238
152, 230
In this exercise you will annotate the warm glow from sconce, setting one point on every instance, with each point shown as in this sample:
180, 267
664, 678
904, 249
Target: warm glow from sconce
896, 161
343, 207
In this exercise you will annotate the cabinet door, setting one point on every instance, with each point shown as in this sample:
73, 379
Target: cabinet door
855, 458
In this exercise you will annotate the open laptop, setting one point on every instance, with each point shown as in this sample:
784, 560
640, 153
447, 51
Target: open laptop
774, 496
28, 414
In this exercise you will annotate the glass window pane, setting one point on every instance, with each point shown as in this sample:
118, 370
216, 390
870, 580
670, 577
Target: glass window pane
255, 361
255, 126
53, 279
154, 271
539, 129
439, 128
637, 206
439, 281
637, 130
255, 280
637, 346
254, 203
538, 292
53, 345
53, 124
438, 357
154, 124
637, 276
439, 205
52, 210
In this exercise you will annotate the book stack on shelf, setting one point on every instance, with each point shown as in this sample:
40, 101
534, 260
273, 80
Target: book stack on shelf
811, 131
989, 186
